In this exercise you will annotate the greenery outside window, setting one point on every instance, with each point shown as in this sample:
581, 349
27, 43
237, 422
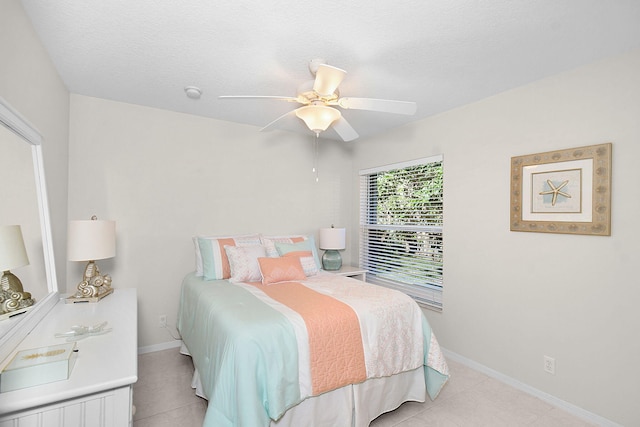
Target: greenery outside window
401, 217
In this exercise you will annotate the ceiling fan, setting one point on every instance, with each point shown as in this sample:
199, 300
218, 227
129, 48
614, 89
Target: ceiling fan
320, 96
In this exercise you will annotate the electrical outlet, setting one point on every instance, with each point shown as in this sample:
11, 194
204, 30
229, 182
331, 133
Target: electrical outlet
550, 365
162, 321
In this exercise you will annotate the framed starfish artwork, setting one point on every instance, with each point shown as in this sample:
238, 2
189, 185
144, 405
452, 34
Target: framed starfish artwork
565, 191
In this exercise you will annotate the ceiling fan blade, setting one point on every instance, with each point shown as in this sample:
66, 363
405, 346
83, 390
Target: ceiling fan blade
328, 79
270, 125
344, 129
278, 98
382, 105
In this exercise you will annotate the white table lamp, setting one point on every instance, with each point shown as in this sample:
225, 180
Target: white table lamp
13, 254
91, 240
332, 240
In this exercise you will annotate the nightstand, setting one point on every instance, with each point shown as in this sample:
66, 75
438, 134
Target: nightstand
349, 271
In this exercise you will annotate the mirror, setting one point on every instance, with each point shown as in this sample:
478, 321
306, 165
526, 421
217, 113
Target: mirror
24, 197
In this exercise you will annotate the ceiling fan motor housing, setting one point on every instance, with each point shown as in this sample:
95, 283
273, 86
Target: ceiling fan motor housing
307, 95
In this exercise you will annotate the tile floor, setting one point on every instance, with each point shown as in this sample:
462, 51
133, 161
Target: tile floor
163, 398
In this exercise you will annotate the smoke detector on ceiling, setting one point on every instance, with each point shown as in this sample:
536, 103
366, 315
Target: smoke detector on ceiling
193, 92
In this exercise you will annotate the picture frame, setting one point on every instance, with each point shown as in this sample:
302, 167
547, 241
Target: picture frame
564, 191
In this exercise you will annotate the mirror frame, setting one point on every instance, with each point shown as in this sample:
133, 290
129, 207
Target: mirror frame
16, 123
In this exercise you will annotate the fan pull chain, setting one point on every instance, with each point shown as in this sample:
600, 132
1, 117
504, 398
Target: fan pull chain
315, 156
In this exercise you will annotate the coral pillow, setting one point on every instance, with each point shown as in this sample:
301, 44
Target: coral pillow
302, 250
276, 270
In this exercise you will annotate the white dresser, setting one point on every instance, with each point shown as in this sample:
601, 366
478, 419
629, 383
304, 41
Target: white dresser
99, 390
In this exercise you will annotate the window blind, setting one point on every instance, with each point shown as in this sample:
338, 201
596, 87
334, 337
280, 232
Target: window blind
401, 217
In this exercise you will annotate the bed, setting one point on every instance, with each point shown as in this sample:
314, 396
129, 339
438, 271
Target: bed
301, 346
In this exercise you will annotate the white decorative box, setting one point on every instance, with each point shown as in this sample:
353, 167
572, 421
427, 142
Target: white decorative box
38, 366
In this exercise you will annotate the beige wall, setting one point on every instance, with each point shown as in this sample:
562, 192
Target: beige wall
30, 83
165, 177
511, 297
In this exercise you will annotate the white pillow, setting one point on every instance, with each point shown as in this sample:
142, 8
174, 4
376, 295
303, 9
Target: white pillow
241, 240
243, 261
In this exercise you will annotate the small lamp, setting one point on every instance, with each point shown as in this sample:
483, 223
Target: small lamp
91, 240
13, 254
332, 240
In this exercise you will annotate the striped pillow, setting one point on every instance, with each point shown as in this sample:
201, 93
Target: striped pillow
215, 263
269, 242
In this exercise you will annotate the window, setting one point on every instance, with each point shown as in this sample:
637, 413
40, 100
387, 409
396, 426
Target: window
401, 216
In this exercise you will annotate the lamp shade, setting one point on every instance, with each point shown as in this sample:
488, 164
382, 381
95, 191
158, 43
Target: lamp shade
318, 117
90, 240
332, 238
12, 251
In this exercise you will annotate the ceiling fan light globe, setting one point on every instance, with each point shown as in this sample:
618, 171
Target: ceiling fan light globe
318, 117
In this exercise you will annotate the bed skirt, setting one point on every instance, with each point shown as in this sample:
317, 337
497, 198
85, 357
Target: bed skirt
353, 405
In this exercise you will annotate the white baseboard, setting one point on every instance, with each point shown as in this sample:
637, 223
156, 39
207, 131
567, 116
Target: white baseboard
159, 347
546, 397
552, 400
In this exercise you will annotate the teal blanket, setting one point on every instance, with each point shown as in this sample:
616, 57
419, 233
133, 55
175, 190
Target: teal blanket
246, 353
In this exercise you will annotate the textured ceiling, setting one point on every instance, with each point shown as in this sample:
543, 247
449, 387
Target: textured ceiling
441, 54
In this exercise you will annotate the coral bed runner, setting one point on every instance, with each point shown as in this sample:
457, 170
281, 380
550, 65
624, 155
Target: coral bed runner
335, 340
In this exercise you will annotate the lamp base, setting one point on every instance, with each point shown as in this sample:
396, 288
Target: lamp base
12, 296
93, 287
331, 260
10, 314
74, 299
